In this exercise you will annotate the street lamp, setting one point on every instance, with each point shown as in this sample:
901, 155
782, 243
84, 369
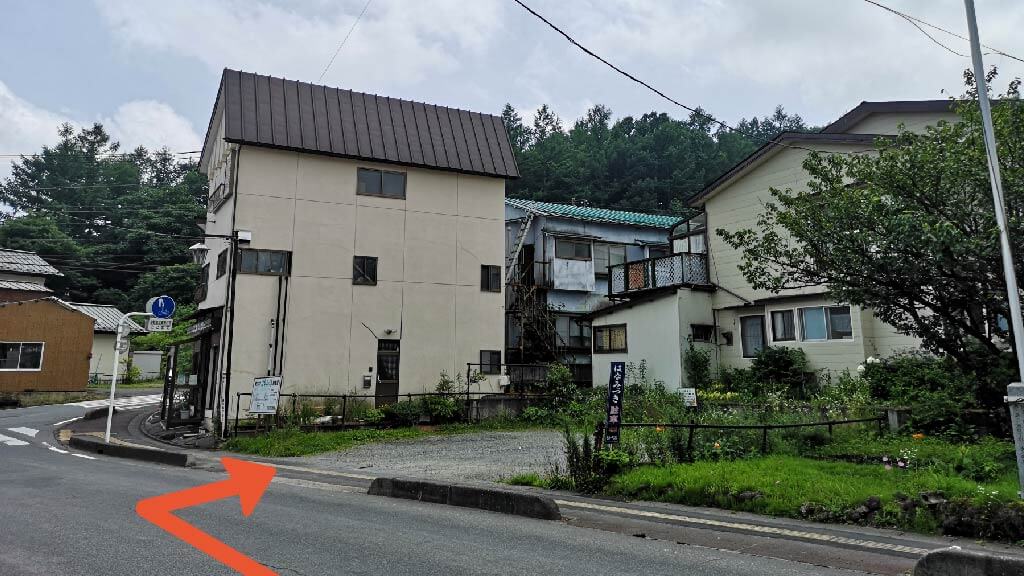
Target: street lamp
199, 252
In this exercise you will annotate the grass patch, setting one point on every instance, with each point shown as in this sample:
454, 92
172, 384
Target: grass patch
787, 484
154, 383
527, 479
27, 399
293, 442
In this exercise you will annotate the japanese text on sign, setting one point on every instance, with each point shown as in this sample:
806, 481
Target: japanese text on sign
616, 388
265, 394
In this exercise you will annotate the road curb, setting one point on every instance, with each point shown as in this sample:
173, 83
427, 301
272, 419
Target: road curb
957, 562
92, 444
98, 413
491, 499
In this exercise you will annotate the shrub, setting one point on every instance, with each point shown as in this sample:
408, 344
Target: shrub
697, 363
847, 392
405, 412
373, 416
935, 389
781, 369
559, 386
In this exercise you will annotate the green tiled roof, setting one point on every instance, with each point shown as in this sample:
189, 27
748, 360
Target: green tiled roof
594, 214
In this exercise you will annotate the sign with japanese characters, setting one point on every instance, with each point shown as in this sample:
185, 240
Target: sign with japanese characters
689, 397
266, 392
616, 389
159, 325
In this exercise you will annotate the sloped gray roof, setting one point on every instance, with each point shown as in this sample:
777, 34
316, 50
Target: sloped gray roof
22, 262
268, 111
106, 317
19, 285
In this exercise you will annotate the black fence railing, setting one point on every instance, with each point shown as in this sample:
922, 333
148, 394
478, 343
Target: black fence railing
692, 427
672, 270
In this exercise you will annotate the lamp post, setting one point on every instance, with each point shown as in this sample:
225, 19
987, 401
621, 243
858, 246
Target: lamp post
117, 361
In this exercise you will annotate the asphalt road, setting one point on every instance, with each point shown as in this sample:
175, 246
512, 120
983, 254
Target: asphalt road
62, 514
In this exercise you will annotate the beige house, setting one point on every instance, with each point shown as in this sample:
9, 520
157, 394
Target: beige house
369, 233
699, 293
104, 337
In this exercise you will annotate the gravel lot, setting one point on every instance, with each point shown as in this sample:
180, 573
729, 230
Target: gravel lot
479, 456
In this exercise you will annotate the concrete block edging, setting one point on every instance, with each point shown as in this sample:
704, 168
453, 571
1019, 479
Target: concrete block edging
957, 562
98, 446
482, 498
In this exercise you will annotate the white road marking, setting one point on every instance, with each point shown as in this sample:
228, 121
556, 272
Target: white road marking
768, 530
12, 441
63, 422
86, 456
54, 448
128, 402
30, 432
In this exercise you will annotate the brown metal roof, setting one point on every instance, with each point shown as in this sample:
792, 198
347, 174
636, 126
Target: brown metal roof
275, 112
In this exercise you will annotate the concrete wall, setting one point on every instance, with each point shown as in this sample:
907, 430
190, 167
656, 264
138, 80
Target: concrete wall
101, 361
652, 334
430, 248
67, 338
148, 363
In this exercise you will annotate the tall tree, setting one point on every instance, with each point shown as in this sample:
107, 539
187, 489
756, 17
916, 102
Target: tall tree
103, 217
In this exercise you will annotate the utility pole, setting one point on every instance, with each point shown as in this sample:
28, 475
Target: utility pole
1015, 391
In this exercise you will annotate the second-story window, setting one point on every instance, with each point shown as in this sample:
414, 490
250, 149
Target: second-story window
490, 278
204, 282
606, 255
380, 183
364, 270
268, 262
572, 249
222, 262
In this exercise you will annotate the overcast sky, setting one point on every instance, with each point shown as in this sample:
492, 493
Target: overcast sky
148, 69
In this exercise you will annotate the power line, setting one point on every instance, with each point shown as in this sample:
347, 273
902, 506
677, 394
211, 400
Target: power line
695, 111
55, 152
345, 39
915, 21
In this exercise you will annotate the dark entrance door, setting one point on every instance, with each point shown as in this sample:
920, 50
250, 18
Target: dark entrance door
387, 372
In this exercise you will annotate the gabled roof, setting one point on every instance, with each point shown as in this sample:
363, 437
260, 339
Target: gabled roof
52, 299
106, 317
268, 111
22, 262
592, 214
25, 286
865, 109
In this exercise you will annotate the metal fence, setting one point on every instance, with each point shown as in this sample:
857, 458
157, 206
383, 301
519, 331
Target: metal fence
671, 270
692, 427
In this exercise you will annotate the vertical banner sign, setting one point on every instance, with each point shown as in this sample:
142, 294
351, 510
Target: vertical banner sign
616, 388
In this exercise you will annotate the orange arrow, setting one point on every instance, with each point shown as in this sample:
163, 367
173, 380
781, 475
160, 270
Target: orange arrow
247, 480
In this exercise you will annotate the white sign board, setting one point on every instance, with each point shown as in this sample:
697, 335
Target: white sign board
266, 392
689, 396
159, 325
122, 346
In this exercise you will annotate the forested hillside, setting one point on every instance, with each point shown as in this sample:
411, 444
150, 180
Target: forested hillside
651, 163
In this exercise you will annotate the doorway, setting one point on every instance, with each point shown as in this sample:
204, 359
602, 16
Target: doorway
387, 372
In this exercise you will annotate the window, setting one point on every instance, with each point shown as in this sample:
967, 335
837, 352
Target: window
21, 355
572, 332
657, 251
490, 278
364, 270
609, 339
572, 249
380, 183
702, 332
606, 255
689, 236
783, 326
752, 335
204, 282
826, 323
222, 262
269, 262
490, 362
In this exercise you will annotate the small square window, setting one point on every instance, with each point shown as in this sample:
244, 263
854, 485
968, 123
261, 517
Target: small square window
364, 270
609, 339
490, 278
490, 362
702, 332
368, 182
386, 183
393, 184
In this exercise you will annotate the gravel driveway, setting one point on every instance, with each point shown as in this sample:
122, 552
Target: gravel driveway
478, 456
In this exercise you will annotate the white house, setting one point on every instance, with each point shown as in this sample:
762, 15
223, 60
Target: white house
101, 360
663, 304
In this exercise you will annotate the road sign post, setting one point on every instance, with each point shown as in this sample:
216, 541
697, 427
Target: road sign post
117, 362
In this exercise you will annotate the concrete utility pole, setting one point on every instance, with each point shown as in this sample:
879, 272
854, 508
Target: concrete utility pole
1015, 391
117, 360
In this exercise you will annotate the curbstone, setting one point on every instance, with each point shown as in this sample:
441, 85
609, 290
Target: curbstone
98, 413
490, 499
957, 562
98, 446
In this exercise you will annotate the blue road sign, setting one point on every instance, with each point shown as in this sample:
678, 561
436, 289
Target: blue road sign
161, 306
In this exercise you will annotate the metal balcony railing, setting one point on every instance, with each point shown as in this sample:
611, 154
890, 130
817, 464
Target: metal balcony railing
671, 270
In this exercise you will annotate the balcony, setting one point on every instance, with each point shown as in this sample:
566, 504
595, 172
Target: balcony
682, 269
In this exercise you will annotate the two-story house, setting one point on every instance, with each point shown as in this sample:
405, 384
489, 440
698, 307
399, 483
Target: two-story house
353, 244
557, 262
664, 304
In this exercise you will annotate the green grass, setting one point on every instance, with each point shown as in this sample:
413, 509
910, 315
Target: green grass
155, 383
787, 482
293, 442
527, 479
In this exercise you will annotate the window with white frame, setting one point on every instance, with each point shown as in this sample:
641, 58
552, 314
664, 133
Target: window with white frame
783, 326
21, 355
820, 323
752, 335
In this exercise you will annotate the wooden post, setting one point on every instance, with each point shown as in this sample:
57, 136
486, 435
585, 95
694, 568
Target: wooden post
689, 443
